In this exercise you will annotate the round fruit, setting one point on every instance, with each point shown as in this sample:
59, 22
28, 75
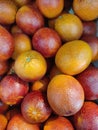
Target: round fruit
65, 95
8, 11
87, 10
93, 42
19, 123
35, 108
4, 66
50, 8
89, 81
6, 44
30, 65
20, 3
29, 19
12, 89
86, 118
89, 28
69, 27
46, 41
58, 123
22, 43
3, 122
73, 57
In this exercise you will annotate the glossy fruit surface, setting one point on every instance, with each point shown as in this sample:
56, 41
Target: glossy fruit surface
50, 8
86, 9
73, 57
46, 41
58, 122
6, 44
69, 27
35, 108
86, 118
30, 65
88, 79
12, 89
65, 95
29, 19
8, 11
19, 123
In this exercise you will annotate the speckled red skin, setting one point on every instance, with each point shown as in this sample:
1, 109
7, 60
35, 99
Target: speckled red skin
13, 89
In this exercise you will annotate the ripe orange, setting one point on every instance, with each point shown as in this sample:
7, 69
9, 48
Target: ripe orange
22, 43
73, 57
68, 26
17, 122
50, 8
30, 65
87, 10
58, 123
3, 122
65, 95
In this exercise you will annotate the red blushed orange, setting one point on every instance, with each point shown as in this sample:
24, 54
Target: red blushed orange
65, 95
50, 8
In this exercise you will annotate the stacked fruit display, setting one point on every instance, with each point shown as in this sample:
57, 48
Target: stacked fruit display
48, 79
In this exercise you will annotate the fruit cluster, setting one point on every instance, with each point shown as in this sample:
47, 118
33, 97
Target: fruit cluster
48, 76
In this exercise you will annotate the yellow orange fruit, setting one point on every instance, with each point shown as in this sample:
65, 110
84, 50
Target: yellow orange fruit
73, 57
58, 123
30, 65
87, 10
50, 8
68, 26
3, 122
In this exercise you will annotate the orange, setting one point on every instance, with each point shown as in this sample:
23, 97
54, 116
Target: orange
22, 43
73, 57
58, 123
65, 95
50, 8
87, 10
17, 122
30, 65
8, 11
69, 27
3, 122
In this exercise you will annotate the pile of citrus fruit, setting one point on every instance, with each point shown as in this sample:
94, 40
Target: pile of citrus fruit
48, 76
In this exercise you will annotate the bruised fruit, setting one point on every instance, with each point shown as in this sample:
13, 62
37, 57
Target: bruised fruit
19, 123
86, 118
35, 108
65, 95
12, 89
6, 44
8, 11
29, 19
46, 41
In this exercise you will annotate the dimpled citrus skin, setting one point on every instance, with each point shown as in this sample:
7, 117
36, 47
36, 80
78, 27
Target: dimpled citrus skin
65, 95
73, 57
68, 26
87, 10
